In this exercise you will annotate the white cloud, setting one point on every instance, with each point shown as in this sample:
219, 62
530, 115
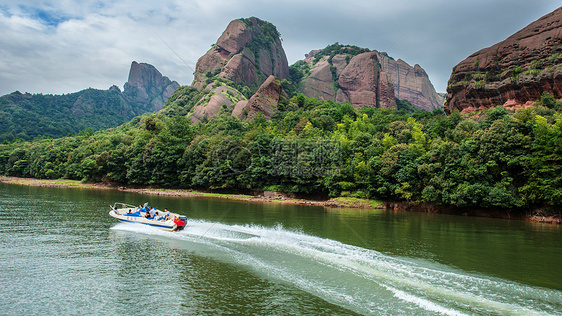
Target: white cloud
67, 45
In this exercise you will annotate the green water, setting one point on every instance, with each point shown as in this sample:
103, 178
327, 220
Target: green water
63, 255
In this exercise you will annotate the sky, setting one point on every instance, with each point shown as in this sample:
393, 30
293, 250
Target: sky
56, 47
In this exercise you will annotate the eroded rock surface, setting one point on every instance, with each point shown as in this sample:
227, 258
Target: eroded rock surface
369, 80
147, 85
247, 52
513, 72
264, 101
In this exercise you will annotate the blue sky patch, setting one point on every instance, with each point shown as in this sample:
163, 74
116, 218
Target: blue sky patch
48, 17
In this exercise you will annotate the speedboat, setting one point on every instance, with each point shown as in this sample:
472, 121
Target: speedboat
141, 214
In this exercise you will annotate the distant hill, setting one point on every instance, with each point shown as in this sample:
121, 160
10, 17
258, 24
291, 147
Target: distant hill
27, 116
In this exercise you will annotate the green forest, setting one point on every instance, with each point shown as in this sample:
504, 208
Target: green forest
28, 116
496, 158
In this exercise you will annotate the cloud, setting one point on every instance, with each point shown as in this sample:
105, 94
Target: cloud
67, 45
89, 49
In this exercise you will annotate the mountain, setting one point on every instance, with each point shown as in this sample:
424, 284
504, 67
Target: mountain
28, 116
349, 74
147, 86
514, 72
247, 53
376, 74
493, 162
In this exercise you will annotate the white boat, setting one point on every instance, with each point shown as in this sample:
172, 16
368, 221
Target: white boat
138, 214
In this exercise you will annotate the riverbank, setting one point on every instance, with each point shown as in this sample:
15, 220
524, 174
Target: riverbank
267, 197
537, 216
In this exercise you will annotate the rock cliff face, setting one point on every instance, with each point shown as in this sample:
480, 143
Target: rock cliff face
264, 101
362, 83
513, 72
411, 83
147, 85
343, 78
247, 52
220, 98
325, 80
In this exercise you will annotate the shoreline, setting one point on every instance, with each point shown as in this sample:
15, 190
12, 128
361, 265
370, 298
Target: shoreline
267, 197
275, 197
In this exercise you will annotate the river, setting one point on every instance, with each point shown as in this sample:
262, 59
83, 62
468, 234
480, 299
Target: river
62, 254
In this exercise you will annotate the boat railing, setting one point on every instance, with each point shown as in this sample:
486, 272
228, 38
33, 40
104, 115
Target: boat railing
121, 205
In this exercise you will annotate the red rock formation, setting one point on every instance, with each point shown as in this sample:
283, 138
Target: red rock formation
411, 83
264, 101
220, 97
320, 82
386, 90
363, 84
512, 72
248, 51
147, 85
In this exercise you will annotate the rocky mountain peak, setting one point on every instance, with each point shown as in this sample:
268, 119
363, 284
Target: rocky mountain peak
247, 53
141, 75
147, 85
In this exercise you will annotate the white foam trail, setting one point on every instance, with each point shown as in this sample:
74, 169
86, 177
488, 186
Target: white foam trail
425, 304
363, 280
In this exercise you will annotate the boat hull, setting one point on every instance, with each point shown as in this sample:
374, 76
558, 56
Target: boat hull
128, 219
128, 215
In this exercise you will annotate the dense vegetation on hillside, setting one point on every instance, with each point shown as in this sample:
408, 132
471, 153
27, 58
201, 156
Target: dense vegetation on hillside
294, 82
489, 159
28, 116
336, 49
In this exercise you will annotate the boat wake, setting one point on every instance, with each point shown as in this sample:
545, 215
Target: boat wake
362, 280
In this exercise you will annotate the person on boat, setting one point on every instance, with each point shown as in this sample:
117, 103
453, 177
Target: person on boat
115, 210
165, 216
152, 212
147, 214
